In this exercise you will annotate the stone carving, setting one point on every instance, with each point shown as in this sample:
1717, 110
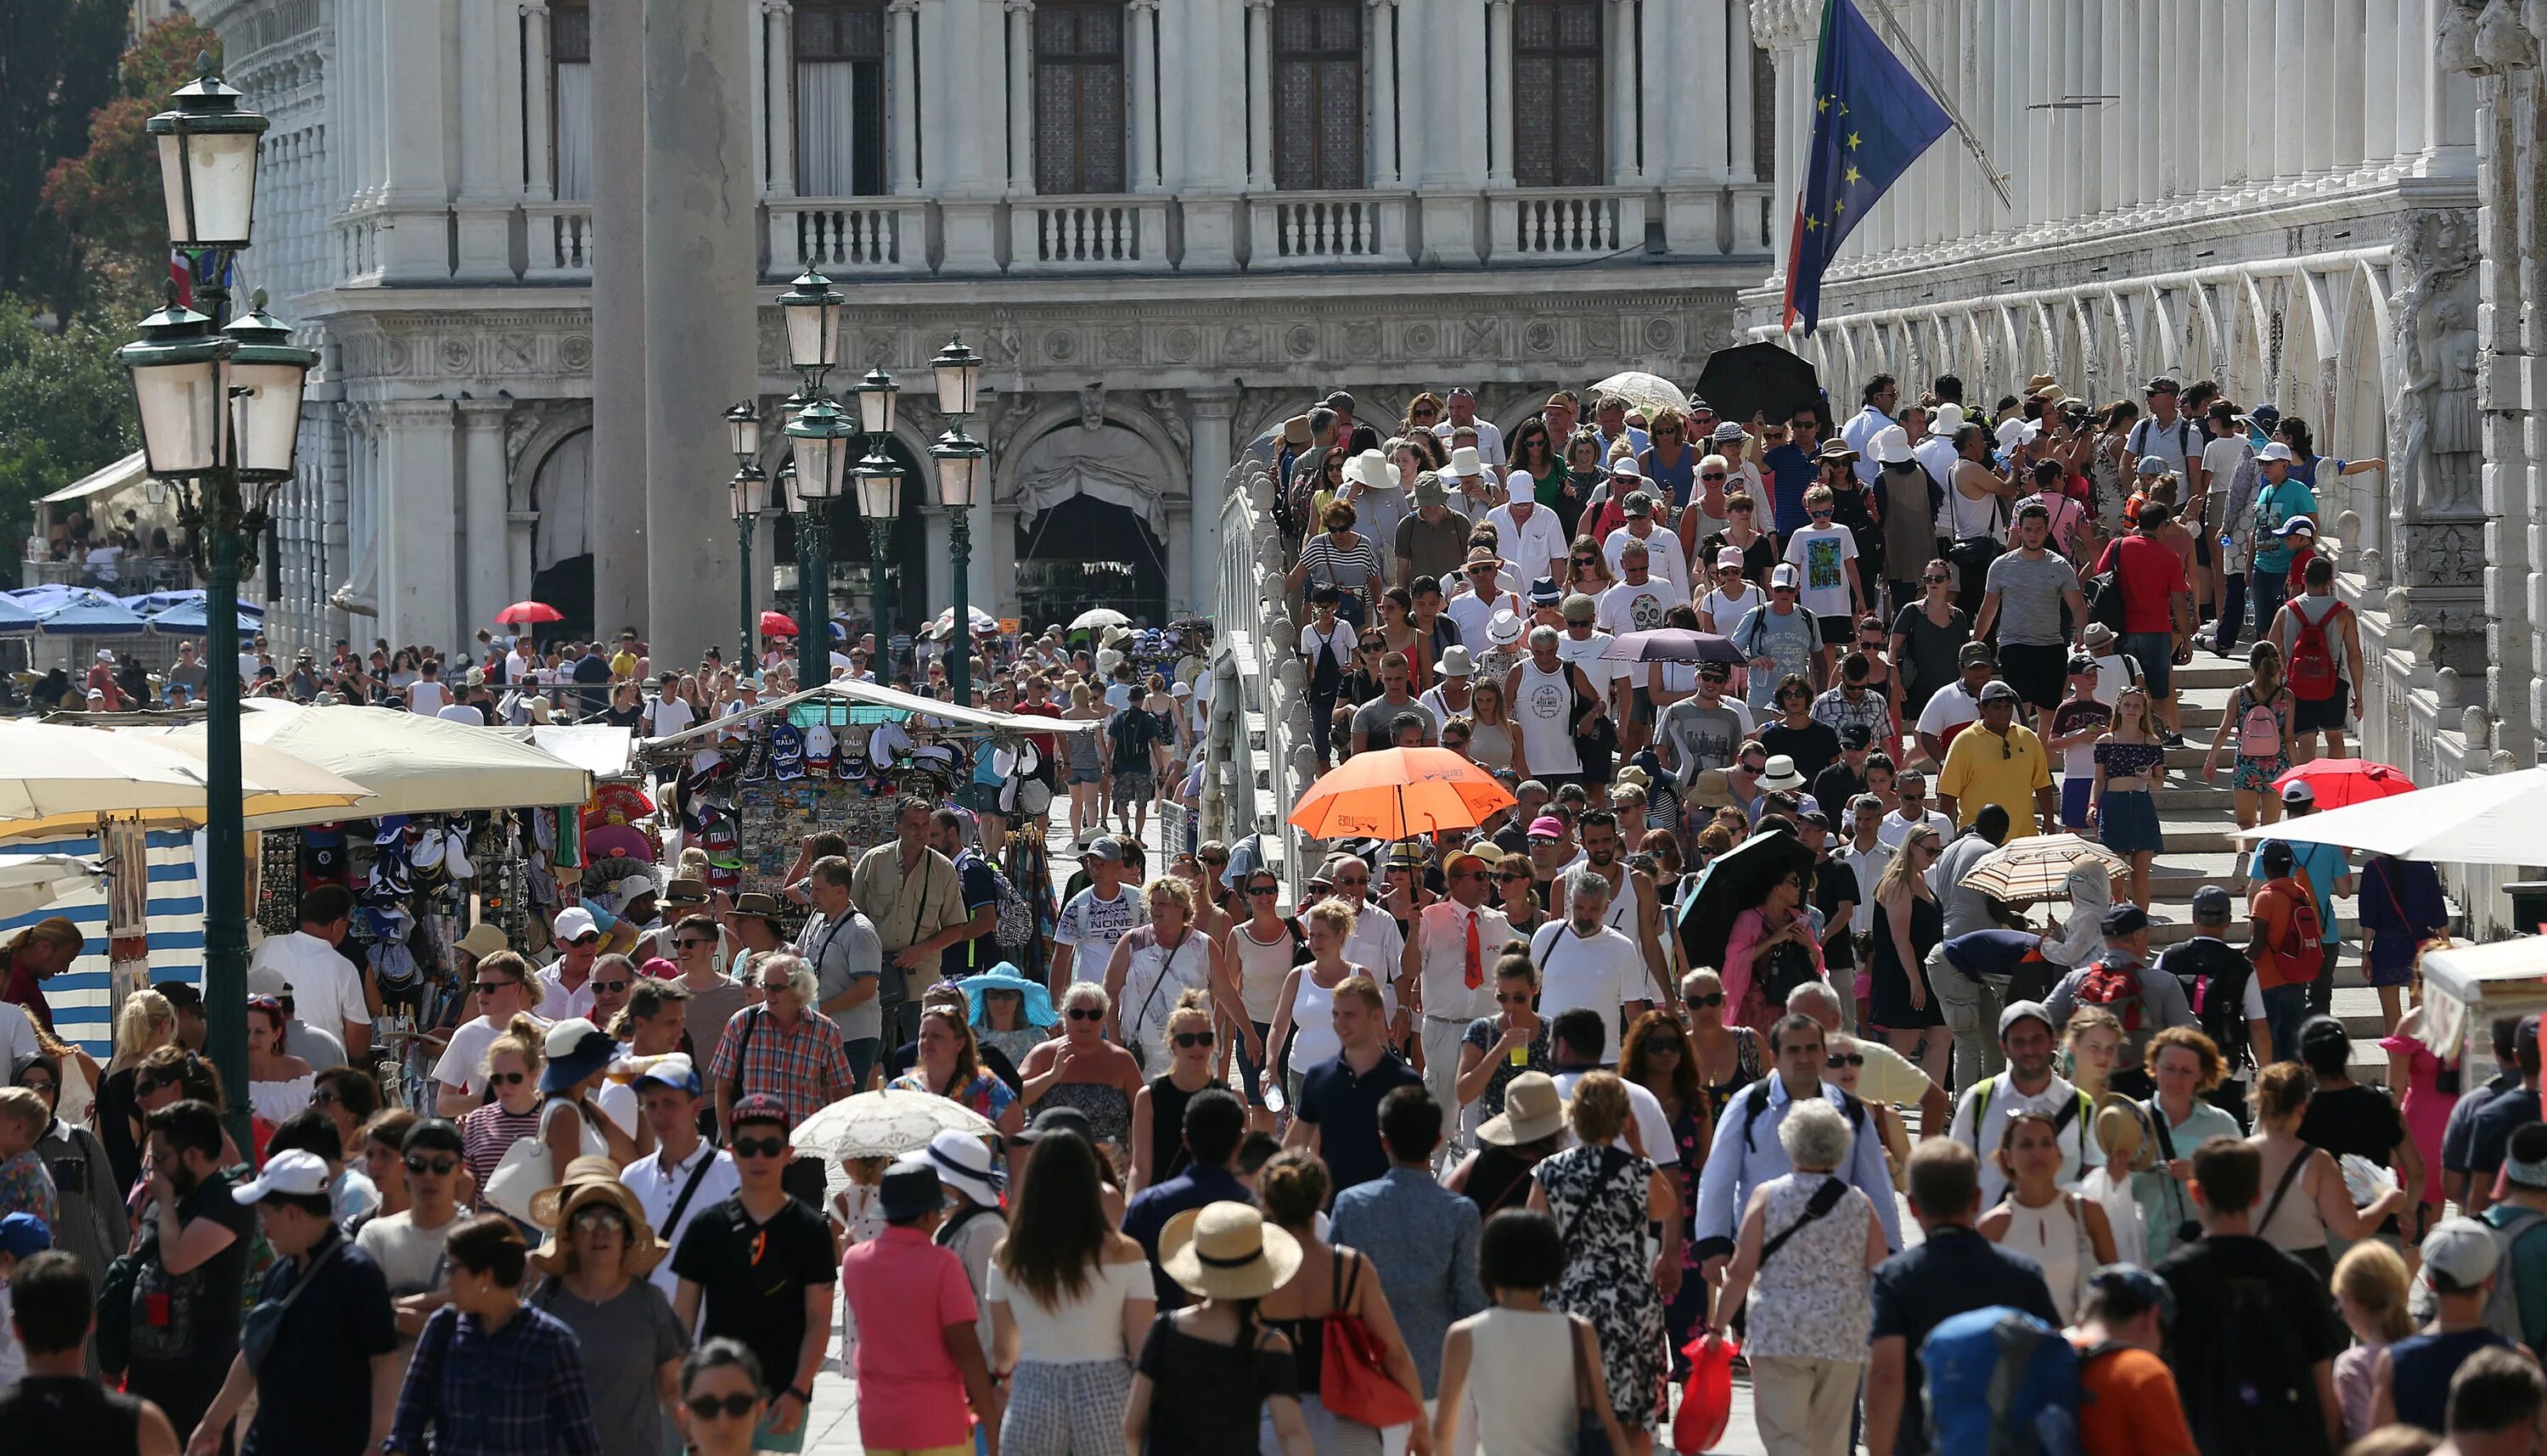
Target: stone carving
1171, 414
2502, 43
2435, 414
1178, 345
1092, 405
2447, 554
2456, 21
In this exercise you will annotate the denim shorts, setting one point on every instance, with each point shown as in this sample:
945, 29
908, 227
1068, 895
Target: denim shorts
2156, 653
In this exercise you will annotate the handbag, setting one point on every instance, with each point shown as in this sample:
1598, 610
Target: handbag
1352, 1378
1976, 552
1591, 1431
264, 1319
522, 1173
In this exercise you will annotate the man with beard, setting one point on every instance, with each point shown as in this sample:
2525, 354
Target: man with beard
1636, 909
186, 1297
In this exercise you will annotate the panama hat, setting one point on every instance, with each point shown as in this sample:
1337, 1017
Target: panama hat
1226, 1250
1532, 1109
645, 1250
2123, 1126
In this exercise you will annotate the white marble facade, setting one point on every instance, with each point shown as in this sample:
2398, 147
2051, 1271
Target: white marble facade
1166, 224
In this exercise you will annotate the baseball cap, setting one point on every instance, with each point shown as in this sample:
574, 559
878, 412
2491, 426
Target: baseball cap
1728, 556
1625, 469
1581, 608
2211, 902
2142, 1285
2123, 920
1058, 1120
2161, 385
23, 1234
1727, 431
1996, 690
2081, 664
1547, 826
2296, 525
1855, 736
2297, 791
1105, 847
1784, 575
911, 1187
675, 1070
2152, 465
2460, 1254
572, 923
2276, 857
759, 1107
2019, 1010
1976, 655
2275, 451
297, 1171
1637, 503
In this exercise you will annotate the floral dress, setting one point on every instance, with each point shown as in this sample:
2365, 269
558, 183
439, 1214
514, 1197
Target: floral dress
1748, 1064
1598, 1195
984, 1093
2255, 775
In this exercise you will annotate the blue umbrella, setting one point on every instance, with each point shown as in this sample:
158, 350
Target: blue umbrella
16, 620
86, 613
193, 619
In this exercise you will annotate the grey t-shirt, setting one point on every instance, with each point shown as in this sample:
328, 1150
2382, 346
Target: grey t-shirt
2029, 598
1965, 910
1372, 719
626, 1339
839, 954
1704, 737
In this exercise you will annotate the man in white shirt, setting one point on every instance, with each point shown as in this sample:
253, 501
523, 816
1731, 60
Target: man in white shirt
1582, 962
1448, 968
504, 991
327, 990
1486, 592
1451, 697
1581, 644
1638, 602
2027, 1084
1573, 1039
1936, 454
686, 1175
566, 987
1665, 560
1462, 407
1867, 856
1881, 396
1528, 534
1910, 786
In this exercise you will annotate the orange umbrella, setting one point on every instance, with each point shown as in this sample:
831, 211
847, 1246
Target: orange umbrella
1394, 793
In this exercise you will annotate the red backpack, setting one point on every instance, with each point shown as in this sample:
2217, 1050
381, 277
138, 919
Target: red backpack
2117, 988
2311, 670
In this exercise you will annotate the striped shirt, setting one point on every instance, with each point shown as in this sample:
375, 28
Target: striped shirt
488, 1131
518, 1391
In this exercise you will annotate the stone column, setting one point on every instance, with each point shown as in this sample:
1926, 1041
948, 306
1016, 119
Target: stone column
491, 139
902, 96
1259, 95
1020, 97
2508, 276
336, 501
418, 510
1618, 107
2320, 105
1740, 143
2381, 74
774, 99
415, 246
2289, 24
1207, 416
2349, 90
1499, 72
2415, 74
538, 172
519, 572
2260, 38
619, 337
703, 319
486, 500
1141, 72
1381, 15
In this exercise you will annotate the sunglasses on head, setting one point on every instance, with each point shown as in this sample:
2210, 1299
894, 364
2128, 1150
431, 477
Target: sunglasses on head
443, 1166
1085, 1013
769, 1146
733, 1407
1191, 1039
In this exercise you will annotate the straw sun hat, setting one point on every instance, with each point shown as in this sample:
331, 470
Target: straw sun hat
587, 1184
1226, 1250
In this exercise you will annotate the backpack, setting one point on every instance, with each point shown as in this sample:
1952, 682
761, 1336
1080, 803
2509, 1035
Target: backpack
2000, 1383
2114, 988
2219, 1003
2301, 934
1756, 1101
2259, 728
2258, 1386
2074, 1110
2311, 670
2502, 1301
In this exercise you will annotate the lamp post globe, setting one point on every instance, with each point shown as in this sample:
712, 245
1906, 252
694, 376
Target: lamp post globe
208, 148
811, 309
176, 369
743, 430
748, 495
268, 377
959, 379
879, 493
958, 458
817, 439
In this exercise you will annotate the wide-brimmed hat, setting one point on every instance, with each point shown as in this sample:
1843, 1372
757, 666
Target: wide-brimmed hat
1532, 1109
590, 1167
1780, 775
1007, 976
964, 1164
682, 895
2123, 1126
1226, 1250
1891, 446
1465, 461
1504, 628
758, 906
483, 940
644, 1251
1946, 420
576, 1048
1707, 790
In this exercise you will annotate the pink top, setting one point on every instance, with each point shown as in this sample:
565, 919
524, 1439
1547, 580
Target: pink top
905, 1291
2426, 1107
1746, 1001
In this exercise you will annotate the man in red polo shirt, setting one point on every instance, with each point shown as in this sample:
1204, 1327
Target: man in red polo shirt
2158, 610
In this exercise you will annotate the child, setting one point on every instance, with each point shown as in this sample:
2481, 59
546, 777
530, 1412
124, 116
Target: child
21, 1235
2299, 538
2076, 725
2259, 721
856, 1217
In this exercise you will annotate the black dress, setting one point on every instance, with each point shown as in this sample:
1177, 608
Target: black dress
1498, 1179
1890, 1006
1204, 1396
1168, 1155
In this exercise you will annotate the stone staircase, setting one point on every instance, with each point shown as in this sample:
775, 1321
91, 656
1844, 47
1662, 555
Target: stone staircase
2200, 822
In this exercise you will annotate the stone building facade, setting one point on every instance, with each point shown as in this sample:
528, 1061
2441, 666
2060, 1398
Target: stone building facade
1168, 224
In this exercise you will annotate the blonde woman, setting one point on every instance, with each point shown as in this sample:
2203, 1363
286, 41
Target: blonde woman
1154, 965
146, 1023
2091, 1047
1491, 730
1307, 1002
1159, 1108
513, 1074
1909, 923
2304, 1194
2130, 761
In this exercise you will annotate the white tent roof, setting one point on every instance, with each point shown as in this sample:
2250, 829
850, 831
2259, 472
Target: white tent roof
870, 693
2486, 820
129, 470
411, 763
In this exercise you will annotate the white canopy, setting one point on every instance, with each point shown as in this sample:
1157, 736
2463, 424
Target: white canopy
872, 694
31, 881
60, 779
411, 763
2465, 986
595, 747
2488, 819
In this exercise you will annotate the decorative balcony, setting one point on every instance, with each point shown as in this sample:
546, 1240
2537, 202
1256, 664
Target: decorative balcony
560, 241
1313, 230
1123, 234
844, 238
1565, 222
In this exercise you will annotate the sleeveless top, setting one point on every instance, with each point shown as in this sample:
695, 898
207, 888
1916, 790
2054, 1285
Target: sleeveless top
1498, 1179
1261, 969
1168, 1155
1522, 1404
2054, 1235
1544, 704
63, 1413
1815, 1298
1156, 976
1987, 516
1313, 1032
2295, 1225
591, 1144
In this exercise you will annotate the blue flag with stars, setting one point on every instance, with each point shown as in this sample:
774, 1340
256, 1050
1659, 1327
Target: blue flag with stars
1871, 121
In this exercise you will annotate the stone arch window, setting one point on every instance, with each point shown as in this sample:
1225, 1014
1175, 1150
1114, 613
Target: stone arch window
1079, 98
1317, 95
839, 53
570, 87
1557, 102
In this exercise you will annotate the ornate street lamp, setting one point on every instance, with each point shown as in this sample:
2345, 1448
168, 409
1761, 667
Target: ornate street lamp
749, 489
818, 440
879, 494
812, 309
221, 423
959, 460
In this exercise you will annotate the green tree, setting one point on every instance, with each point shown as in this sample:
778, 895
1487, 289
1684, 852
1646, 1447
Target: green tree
57, 64
65, 409
107, 194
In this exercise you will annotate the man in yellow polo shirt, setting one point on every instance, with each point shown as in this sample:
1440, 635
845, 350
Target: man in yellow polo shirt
1998, 761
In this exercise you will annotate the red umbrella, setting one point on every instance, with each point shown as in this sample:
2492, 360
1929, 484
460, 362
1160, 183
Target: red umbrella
2338, 782
778, 624
530, 612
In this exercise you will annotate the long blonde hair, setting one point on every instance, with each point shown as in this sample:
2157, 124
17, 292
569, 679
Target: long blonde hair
1901, 872
2147, 716
146, 1023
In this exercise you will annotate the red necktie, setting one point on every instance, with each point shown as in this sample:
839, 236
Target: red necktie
1477, 967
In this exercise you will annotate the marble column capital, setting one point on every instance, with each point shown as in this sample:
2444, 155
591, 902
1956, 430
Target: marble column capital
481, 413
1019, 7
1148, 5
1212, 403
534, 9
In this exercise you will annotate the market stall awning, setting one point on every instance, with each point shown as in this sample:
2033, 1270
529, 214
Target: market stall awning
598, 749
129, 470
869, 694
411, 763
60, 780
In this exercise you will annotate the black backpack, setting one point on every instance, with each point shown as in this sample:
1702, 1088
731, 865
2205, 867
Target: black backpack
1756, 1101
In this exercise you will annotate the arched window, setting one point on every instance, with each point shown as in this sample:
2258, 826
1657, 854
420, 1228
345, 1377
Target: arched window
1317, 95
1556, 100
1078, 49
571, 84
839, 98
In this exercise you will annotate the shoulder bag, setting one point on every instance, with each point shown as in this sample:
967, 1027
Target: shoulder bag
264, 1319
1353, 1373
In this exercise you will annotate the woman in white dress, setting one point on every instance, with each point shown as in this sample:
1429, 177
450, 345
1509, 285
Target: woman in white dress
1154, 964
2066, 1232
572, 1124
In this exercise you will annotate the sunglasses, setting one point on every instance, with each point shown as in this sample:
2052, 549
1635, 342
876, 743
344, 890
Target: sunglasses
1853, 1058
1513, 997
489, 987
733, 1407
1510, 877
601, 1218
39, 1084
769, 1146
1820, 513
592, 939
506, 1078
323, 1097
1914, 798
1085, 1013
1710, 474
1264, 890
1352, 883
440, 1167
1191, 1039
690, 944
1705, 1001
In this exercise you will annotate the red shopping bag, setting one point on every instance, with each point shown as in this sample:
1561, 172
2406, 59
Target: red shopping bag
1707, 1401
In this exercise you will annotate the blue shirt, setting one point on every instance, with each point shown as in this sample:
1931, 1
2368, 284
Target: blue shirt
1980, 952
2489, 1129
2275, 505
322, 1351
1747, 1153
2460, 1128
2320, 865
1954, 1273
1343, 1106
1791, 472
1151, 1207
517, 1392
1422, 1239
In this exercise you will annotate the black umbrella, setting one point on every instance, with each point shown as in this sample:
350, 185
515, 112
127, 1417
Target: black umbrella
1733, 882
1762, 379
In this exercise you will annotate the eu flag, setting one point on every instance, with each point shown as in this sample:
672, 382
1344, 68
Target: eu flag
1871, 121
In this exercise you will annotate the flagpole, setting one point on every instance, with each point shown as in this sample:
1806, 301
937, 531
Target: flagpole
1945, 101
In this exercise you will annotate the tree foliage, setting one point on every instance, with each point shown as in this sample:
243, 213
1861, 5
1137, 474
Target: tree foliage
65, 409
108, 195
57, 65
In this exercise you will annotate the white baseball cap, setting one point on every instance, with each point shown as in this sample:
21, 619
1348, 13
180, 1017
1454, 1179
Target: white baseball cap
296, 1172
572, 924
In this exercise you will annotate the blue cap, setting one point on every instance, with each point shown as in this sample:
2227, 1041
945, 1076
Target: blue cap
23, 1234
2125, 918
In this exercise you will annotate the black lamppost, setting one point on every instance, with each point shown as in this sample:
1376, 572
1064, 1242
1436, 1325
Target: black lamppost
220, 422
959, 459
749, 489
